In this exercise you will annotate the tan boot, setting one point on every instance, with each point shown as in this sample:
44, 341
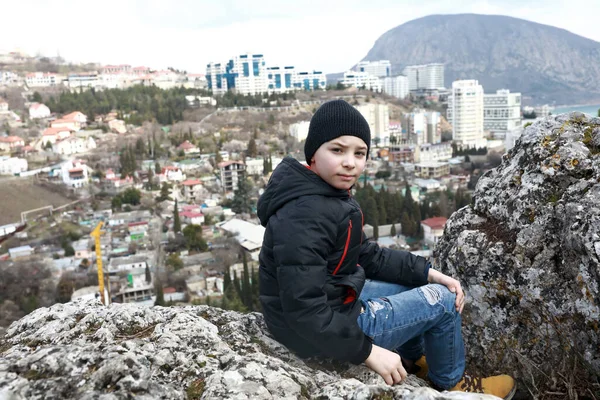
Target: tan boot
423, 368
418, 368
502, 386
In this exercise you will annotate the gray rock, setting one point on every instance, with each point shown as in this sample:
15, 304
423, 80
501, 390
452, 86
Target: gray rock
528, 252
83, 350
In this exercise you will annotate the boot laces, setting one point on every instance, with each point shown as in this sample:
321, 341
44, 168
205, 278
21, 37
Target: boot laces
473, 384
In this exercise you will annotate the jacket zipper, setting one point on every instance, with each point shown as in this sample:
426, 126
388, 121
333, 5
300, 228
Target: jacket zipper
345, 248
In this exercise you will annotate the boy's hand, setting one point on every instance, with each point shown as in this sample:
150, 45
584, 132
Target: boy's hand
452, 284
387, 364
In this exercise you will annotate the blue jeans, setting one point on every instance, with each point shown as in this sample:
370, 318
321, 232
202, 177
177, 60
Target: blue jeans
416, 321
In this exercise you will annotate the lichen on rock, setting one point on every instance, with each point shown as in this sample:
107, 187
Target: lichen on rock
528, 252
83, 350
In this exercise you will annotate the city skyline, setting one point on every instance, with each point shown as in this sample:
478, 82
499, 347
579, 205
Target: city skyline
329, 36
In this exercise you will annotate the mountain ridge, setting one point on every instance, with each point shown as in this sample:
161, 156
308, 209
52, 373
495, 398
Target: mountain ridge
545, 63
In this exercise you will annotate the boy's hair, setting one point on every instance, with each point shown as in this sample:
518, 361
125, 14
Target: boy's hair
334, 119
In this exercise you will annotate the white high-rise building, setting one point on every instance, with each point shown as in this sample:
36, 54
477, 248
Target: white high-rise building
501, 112
281, 80
248, 74
215, 78
396, 86
465, 113
421, 127
362, 80
379, 68
425, 77
310, 80
378, 117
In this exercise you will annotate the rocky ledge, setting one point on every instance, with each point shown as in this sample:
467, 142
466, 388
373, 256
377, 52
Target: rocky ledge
528, 252
88, 351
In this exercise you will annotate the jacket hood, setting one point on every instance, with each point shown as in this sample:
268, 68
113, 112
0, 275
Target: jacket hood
289, 181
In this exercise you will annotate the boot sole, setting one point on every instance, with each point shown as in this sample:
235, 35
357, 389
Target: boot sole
510, 395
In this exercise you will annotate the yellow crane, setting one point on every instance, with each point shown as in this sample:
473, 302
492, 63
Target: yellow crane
96, 235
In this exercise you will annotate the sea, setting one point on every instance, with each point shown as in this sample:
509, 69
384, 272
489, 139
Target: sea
587, 109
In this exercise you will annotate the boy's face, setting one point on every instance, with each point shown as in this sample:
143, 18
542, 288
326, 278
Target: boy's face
341, 161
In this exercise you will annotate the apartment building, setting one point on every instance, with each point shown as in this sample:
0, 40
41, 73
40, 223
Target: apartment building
465, 113
501, 112
425, 77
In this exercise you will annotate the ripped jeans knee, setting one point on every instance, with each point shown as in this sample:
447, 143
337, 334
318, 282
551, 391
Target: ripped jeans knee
438, 294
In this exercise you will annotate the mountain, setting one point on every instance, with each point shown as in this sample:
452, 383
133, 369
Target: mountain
544, 63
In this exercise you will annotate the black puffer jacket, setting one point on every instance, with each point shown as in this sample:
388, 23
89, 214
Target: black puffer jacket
314, 261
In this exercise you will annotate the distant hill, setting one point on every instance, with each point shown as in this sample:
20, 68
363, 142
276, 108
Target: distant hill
545, 63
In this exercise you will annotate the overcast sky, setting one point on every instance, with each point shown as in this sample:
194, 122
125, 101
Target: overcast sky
326, 35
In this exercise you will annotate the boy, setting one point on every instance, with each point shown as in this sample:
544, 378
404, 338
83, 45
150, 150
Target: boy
325, 290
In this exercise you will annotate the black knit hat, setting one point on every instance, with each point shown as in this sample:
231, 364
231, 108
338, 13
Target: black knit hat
334, 119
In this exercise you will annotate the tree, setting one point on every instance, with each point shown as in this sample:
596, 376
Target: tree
37, 97
231, 300
157, 168
160, 294
246, 288
241, 197
148, 274
393, 230
116, 203
176, 221
193, 238
252, 149
174, 262
131, 196
407, 225
164, 192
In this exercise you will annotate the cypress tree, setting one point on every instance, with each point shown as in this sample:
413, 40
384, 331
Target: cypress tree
160, 294
176, 221
255, 291
246, 289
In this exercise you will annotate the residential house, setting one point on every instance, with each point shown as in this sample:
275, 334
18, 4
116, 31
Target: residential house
10, 143
116, 183
127, 263
432, 169
136, 288
43, 79
75, 173
76, 116
255, 166
231, 173
173, 174
196, 286
53, 135
38, 110
137, 230
191, 187
83, 249
21, 252
433, 229
118, 126
12, 165
248, 235
188, 148
192, 217
74, 145
195, 264
127, 217
70, 124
